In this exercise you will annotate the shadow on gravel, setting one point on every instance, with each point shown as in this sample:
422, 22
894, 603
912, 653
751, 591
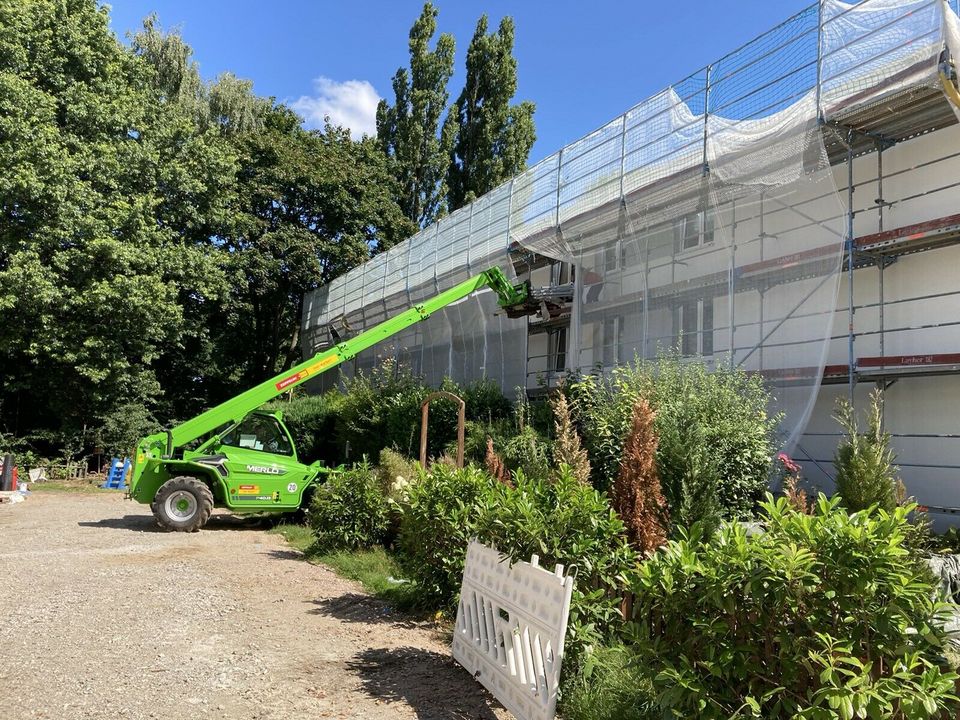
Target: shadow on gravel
285, 554
146, 523
360, 608
433, 685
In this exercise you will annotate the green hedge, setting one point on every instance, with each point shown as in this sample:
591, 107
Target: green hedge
380, 409
349, 511
440, 515
821, 616
716, 440
565, 522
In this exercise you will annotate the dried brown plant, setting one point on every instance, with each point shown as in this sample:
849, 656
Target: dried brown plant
796, 495
495, 465
566, 445
636, 495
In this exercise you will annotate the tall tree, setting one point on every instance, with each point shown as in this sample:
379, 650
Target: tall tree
229, 104
310, 206
490, 139
408, 130
96, 179
156, 232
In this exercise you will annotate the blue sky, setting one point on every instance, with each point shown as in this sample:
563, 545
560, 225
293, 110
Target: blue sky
582, 62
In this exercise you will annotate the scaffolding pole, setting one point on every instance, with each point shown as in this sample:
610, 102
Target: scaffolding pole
851, 358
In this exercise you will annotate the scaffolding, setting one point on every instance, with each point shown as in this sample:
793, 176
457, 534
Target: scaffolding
706, 218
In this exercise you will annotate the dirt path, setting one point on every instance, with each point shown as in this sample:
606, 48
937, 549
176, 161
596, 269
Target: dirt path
103, 616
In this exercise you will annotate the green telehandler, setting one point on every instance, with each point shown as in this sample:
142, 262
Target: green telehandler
238, 457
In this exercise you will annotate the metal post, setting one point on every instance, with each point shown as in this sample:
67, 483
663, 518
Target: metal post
819, 56
574, 337
733, 278
760, 290
706, 114
882, 263
851, 359
623, 152
623, 200
646, 291
882, 260
559, 176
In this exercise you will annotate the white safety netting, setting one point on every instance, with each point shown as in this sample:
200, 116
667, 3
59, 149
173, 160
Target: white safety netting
706, 218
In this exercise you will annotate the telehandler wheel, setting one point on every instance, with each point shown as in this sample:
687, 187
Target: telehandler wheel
182, 504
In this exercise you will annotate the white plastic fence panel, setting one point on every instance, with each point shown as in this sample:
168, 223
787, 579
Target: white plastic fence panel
510, 628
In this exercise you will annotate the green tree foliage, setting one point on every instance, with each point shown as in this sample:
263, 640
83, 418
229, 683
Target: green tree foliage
157, 232
309, 206
716, 439
92, 265
826, 615
866, 474
229, 104
490, 138
407, 131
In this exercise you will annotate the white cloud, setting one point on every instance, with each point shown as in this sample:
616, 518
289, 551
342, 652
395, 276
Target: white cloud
351, 104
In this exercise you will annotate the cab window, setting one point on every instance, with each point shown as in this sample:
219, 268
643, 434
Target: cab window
258, 432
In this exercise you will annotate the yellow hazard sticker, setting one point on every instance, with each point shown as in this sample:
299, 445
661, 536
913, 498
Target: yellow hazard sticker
304, 374
249, 490
325, 363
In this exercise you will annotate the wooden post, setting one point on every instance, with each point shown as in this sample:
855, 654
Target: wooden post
461, 424
424, 417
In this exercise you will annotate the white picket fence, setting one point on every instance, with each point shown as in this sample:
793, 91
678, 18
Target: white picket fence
511, 622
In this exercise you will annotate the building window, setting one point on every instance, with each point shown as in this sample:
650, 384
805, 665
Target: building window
693, 327
608, 339
611, 257
693, 230
557, 349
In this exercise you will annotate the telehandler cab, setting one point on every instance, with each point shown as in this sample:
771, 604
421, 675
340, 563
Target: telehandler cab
238, 457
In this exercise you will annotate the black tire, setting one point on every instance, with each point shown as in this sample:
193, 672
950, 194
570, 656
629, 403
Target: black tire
301, 516
182, 504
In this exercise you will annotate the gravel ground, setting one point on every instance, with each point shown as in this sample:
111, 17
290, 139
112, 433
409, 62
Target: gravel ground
104, 616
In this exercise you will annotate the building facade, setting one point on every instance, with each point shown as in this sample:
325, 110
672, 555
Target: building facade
791, 209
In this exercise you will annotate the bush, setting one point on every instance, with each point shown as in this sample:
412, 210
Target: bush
312, 421
716, 439
866, 474
823, 615
396, 472
475, 438
381, 409
567, 449
568, 523
520, 445
485, 402
527, 452
439, 518
349, 511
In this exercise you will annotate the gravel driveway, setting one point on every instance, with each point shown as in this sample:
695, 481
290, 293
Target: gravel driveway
104, 616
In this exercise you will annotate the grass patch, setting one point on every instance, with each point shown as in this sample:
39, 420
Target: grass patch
67, 487
375, 569
298, 536
610, 687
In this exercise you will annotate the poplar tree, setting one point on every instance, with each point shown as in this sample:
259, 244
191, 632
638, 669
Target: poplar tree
490, 139
408, 130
